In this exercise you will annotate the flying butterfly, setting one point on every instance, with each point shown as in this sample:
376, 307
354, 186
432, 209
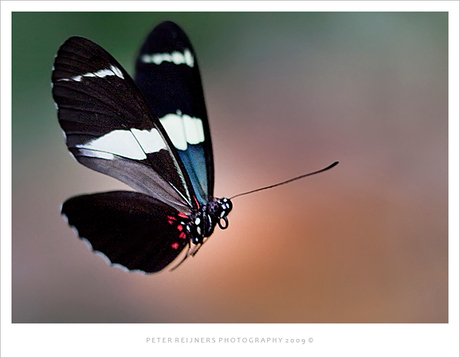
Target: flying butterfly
151, 133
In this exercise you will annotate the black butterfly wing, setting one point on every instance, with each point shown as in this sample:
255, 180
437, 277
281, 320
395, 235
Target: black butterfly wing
131, 229
168, 75
110, 128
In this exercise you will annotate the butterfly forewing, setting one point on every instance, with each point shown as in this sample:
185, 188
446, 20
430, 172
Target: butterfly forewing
131, 229
168, 75
110, 128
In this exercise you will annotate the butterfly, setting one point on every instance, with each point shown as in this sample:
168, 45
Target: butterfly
151, 133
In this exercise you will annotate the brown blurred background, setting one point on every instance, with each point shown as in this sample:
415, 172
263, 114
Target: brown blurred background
287, 93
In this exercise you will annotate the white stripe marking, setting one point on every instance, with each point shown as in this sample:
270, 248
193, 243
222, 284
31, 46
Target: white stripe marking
150, 141
126, 143
112, 71
175, 57
183, 129
84, 151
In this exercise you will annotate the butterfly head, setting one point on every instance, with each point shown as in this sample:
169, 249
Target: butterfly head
220, 209
203, 221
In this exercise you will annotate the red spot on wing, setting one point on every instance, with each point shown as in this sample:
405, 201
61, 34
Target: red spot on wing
175, 246
182, 215
182, 235
180, 227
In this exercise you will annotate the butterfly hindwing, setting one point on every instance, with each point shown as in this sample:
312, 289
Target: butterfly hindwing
168, 75
110, 128
132, 229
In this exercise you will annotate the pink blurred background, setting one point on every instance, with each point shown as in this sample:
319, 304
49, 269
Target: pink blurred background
286, 94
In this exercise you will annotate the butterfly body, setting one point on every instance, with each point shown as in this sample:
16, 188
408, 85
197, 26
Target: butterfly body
151, 133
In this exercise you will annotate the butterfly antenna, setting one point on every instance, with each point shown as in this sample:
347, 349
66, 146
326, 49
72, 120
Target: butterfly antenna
286, 181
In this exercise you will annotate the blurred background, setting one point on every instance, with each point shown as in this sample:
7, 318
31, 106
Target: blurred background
287, 93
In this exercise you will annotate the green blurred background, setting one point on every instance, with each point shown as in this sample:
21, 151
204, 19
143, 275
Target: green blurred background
287, 93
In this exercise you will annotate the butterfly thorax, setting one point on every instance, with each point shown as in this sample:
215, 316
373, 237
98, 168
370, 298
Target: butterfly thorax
203, 221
